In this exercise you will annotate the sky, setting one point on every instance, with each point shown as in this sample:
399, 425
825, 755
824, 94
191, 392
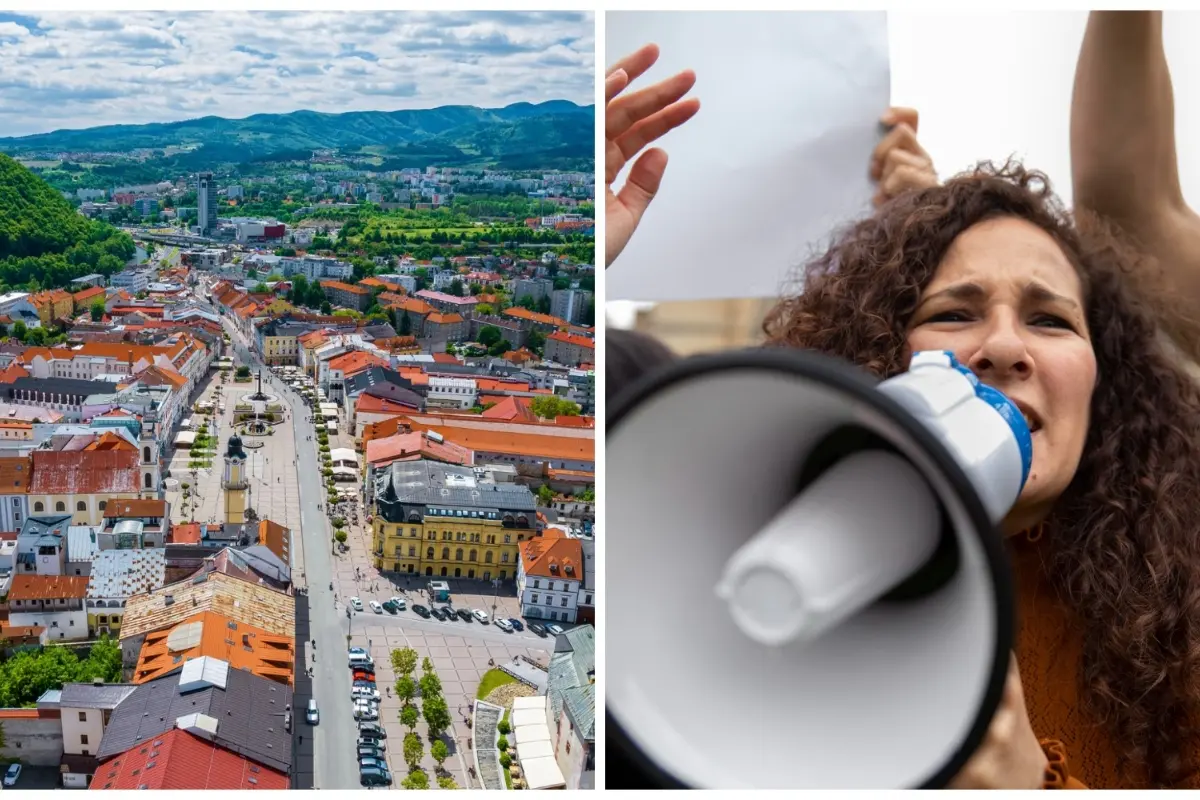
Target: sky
80, 70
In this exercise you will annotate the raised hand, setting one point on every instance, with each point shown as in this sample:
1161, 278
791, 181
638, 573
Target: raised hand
632, 122
899, 164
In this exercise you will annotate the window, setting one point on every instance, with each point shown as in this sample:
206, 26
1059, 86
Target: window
588, 601
16, 502
507, 539
564, 602
81, 506
458, 554
38, 507
504, 558
549, 600
487, 557
103, 504
533, 597
445, 553
83, 716
412, 551
538, 585
60, 506
429, 553
83, 736
474, 556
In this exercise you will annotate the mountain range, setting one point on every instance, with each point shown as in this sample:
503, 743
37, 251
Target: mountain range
521, 135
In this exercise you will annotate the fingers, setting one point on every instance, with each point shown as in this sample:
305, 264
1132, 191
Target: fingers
622, 114
614, 83
653, 127
637, 62
902, 137
642, 184
897, 115
904, 172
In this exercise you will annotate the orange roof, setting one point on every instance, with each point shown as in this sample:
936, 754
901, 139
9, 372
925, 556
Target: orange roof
370, 404
446, 358
182, 760
355, 362
520, 356
553, 555
497, 385
535, 445
444, 319
313, 338
412, 305
533, 316
345, 287
411, 446
260, 652
12, 372
47, 587
392, 297
161, 376
110, 441
574, 422
511, 408
14, 475
275, 538
135, 508
186, 533
578, 341
376, 283
89, 295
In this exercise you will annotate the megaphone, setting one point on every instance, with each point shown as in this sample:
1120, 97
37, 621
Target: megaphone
808, 588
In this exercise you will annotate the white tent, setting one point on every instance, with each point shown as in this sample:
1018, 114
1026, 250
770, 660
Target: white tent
331, 427
539, 749
537, 702
525, 734
343, 454
185, 439
528, 716
543, 773
348, 473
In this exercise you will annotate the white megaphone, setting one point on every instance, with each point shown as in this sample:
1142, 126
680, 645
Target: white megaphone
807, 585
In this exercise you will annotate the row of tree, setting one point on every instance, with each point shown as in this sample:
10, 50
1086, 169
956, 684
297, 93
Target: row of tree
434, 710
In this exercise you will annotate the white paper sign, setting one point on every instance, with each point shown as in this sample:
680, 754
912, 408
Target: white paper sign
775, 161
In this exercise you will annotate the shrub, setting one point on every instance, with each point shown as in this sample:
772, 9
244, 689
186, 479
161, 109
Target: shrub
504, 727
502, 744
505, 760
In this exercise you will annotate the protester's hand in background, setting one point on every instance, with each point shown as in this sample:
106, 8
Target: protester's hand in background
1011, 756
899, 164
631, 122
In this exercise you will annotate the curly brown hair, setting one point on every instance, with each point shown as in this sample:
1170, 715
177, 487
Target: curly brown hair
1125, 555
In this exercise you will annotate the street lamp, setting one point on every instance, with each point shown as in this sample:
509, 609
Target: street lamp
495, 595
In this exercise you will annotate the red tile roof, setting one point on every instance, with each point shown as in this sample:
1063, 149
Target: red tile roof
345, 287
545, 319
179, 760
370, 404
411, 446
553, 555
578, 341
135, 508
47, 587
355, 362
186, 533
85, 472
444, 319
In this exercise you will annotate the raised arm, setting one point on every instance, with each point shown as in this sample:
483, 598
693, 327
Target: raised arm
1123, 159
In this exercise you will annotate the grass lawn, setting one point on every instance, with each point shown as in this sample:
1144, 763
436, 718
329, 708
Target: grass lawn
492, 679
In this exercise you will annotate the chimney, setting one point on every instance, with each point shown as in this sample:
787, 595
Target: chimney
97, 681
169, 600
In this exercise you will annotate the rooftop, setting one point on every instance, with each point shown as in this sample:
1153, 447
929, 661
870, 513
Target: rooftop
232, 597
124, 573
210, 634
553, 555
136, 508
47, 587
181, 760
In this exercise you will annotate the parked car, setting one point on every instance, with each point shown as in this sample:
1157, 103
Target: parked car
374, 777
357, 651
390, 607
364, 693
376, 607
464, 615
363, 675
516, 623
370, 751
437, 613
536, 627
366, 712
356, 604
12, 775
313, 715
480, 615
369, 762
421, 611
370, 729
399, 602
553, 630
504, 625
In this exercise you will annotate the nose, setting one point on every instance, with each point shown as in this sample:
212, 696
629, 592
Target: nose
1002, 353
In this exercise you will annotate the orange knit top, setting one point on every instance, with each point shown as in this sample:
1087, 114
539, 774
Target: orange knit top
1049, 646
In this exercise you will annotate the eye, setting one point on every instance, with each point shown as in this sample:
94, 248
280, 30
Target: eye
949, 316
1051, 321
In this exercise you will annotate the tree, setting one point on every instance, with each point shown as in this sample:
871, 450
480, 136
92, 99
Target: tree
545, 495
406, 688
437, 715
562, 283
431, 685
404, 660
455, 288
261, 288
485, 309
589, 314
36, 337
446, 782
416, 780
243, 371
527, 302
543, 306
409, 716
19, 331
326, 308
97, 310
450, 349
489, 335
440, 752
426, 665
405, 324
536, 341
414, 751
551, 406
341, 536
500, 348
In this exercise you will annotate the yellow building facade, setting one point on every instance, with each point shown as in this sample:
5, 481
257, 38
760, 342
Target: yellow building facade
85, 509
281, 350
234, 482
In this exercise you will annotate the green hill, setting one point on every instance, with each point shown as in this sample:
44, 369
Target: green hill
44, 240
465, 134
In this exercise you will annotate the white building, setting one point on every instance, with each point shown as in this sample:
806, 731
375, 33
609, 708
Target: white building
458, 393
132, 280
549, 575
53, 602
443, 279
316, 268
85, 709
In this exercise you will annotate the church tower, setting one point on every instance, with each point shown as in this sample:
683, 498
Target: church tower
234, 483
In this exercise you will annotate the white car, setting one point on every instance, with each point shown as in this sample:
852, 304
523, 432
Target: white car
376, 607
553, 630
480, 615
11, 776
356, 604
364, 712
363, 693
504, 625
399, 601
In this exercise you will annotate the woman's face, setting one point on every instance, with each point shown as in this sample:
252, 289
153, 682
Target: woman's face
1007, 302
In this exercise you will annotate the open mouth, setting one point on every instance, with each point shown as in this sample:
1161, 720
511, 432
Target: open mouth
1031, 419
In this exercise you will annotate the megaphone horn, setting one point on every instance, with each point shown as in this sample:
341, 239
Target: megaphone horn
811, 562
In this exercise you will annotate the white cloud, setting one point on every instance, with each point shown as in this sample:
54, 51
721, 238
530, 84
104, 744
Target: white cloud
77, 70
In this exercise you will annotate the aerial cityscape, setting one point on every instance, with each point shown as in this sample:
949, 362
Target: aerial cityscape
297, 385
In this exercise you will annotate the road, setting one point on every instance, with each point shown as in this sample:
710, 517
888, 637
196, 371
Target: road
467, 630
334, 765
